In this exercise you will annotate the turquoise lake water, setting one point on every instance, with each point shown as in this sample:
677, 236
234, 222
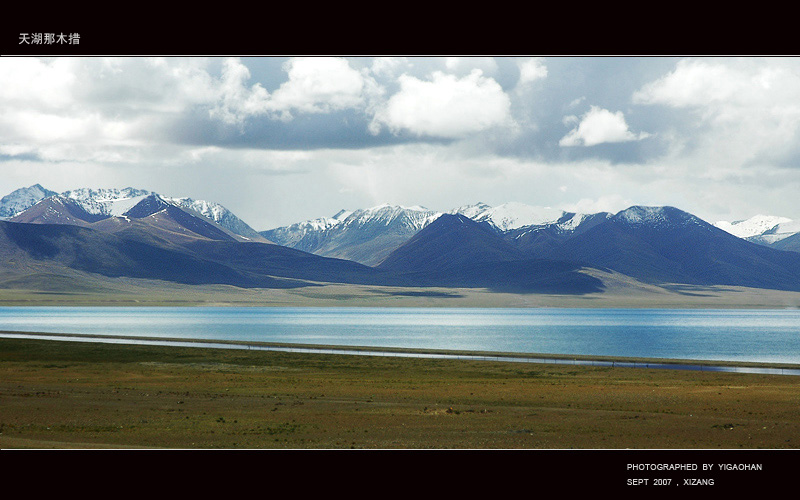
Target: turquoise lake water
717, 334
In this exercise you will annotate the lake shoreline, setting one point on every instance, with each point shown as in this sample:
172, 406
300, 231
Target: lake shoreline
331, 349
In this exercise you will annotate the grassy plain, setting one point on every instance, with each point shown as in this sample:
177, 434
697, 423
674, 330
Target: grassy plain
83, 289
57, 394
332, 295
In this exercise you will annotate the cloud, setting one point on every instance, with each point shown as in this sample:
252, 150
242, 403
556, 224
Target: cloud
743, 110
445, 106
314, 85
389, 67
693, 84
599, 126
236, 102
320, 85
576, 102
531, 70
95, 109
463, 66
34, 83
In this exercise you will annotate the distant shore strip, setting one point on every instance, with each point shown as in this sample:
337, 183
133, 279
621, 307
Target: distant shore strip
565, 359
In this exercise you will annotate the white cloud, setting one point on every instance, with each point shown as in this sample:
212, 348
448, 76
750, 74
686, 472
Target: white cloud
599, 126
577, 101
31, 82
86, 107
531, 70
744, 110
236, 101
463, 66
389, 66
446, 106
319, 85
315, 85
693, 83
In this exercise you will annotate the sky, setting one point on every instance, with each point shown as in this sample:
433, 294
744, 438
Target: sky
279, 140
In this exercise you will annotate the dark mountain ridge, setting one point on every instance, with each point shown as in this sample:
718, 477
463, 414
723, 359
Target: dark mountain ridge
151, 215
456, 251
448, 242
667, 245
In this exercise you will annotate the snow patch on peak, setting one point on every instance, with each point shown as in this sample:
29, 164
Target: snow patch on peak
385, 215
754, 226
103, 195
512, 215
215, 212
112, 202
573, 222
641, 214
22, 199
342, 214
319, 224
396, 208
471, 211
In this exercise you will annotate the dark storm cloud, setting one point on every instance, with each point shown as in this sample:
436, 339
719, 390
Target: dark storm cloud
337, 130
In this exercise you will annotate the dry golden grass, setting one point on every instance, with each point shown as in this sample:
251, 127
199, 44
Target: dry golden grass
56, 394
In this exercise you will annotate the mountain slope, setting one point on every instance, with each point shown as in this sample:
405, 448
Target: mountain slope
136, 216
537, 240
22, 199
369, 235
109, 255
218, 214
790, 243
104, 203
667, 245
450, 241
57, 209
52, 247
366, 236
455, 251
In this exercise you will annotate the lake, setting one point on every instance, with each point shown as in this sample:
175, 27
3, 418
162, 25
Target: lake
717, 334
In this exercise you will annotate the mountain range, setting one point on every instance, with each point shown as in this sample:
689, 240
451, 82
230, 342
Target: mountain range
778, 232
93, 205
512, 247
369, 235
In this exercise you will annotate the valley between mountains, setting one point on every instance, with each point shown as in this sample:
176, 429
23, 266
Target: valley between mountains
132, 246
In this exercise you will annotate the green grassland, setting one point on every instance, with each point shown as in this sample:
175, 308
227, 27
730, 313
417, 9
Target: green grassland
57, 394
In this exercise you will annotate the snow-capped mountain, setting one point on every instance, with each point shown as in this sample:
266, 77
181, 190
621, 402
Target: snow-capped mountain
754, 226
763, 229
22, 199
511, 215
302, 235
109, 202
413, 218
218, 214
140, 234
112, 202
668, 245
138, 216
656, 217
366, 236
355, 235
